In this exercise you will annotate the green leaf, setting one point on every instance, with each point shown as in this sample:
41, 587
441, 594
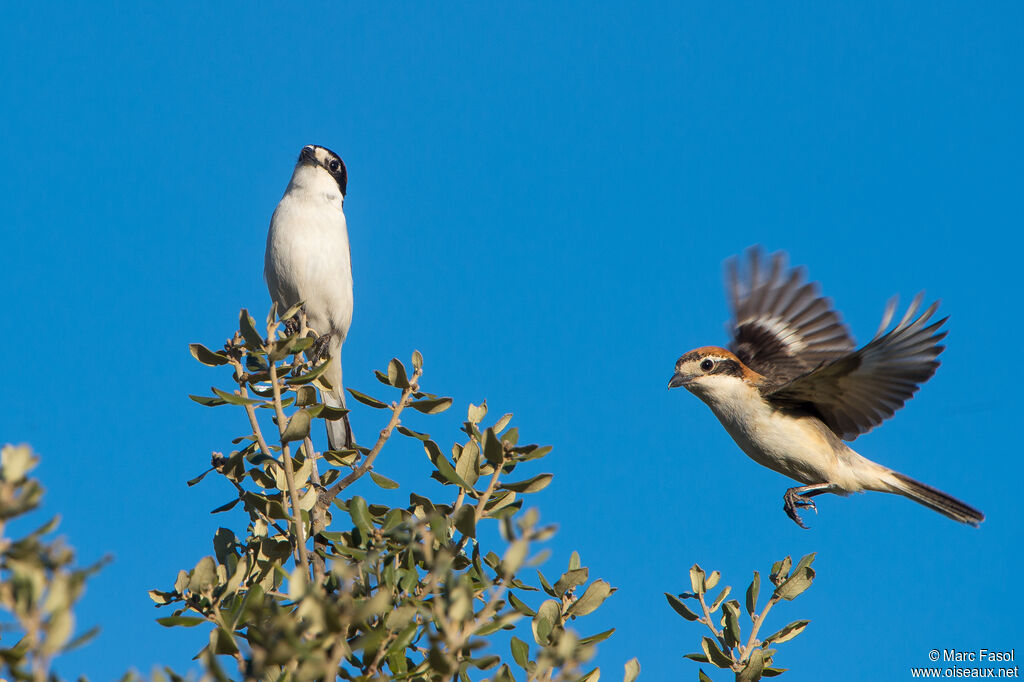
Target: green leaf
207, 402
226, 506
697, 579
805, 561
731, 627
207, 356
321, 411
752, 592
796, 584
780, 570
161, 597
773, 672
444, 467
305, 396
700, 658
396, 374
431, 405
223, 545
502, 423
677, 604
247, 326
752, 671
632, 670
593, 597
520, 606
467, 466
297, 428
712, 580
412, 434
367, 400
787, 633
545, 585
520, 652
203, 576
493, 450
383, 482
530, 485
184, 621
548, 614
234, 399
476, 413
574, 560
417, 360
720, 598
309, 376
360, 514
714, 654
465, 520
81, 640
701, 677
599, 637
570, 580
514, 557
192, 481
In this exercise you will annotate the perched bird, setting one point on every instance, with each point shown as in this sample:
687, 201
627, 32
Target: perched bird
793, 386
308, 260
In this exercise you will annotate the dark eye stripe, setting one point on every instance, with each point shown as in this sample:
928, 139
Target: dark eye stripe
728, 367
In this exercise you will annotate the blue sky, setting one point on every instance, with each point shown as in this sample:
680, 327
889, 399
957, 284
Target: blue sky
540, 199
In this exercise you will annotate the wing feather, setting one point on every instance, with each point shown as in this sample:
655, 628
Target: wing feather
782, 327
855, 393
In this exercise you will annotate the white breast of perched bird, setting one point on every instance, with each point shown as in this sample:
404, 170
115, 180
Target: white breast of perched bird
308, 256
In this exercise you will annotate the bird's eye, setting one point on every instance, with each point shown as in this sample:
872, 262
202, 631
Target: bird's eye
333, 165
707, 365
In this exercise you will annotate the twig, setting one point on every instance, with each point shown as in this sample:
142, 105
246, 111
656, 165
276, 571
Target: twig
385, 434
746, 650
289, 471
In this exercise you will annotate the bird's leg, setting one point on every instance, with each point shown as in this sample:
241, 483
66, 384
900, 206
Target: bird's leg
801, 497
319, 349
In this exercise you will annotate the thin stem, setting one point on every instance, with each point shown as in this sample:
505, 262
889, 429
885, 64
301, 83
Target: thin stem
289, 471
385, 434
744, 651
250, 411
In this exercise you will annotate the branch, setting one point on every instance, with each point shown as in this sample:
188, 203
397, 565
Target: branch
385, 434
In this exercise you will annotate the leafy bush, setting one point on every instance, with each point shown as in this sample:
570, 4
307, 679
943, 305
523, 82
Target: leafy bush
321, 584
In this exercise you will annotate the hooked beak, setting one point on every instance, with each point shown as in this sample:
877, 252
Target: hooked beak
308, 155
677, 380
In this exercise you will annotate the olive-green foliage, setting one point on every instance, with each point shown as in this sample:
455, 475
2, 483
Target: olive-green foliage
325, 585
750, 659
39, 583
322, 584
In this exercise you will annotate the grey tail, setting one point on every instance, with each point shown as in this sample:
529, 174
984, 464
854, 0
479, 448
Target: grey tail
339, 431
934, 498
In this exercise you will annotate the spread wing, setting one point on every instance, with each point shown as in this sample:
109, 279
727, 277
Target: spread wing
782, 327
856, 393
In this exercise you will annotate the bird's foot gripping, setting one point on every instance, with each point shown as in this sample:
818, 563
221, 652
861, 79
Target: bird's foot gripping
291, 326
793, 501
319, 349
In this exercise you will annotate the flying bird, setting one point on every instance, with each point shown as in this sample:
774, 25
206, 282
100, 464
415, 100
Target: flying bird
308, 259
793, 387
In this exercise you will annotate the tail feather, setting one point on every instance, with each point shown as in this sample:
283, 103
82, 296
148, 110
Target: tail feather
339, 431
933, 498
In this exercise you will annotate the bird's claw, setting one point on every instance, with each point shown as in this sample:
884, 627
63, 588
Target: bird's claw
320, 347
291, 326
793, 501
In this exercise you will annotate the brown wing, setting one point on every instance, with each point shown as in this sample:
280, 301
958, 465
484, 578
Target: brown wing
858, 392
782, 327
